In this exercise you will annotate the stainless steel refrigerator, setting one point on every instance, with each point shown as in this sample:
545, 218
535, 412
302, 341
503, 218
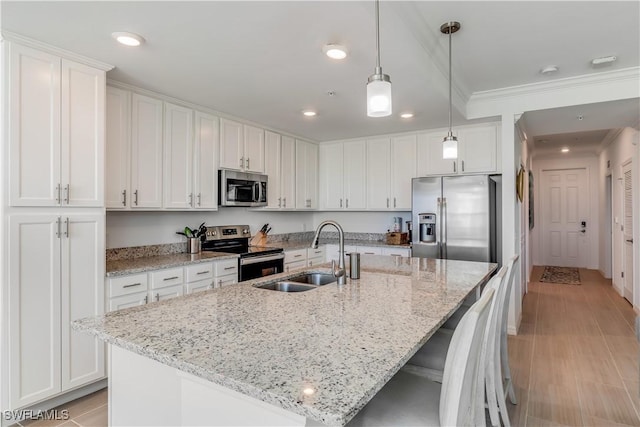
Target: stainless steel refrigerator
457, 217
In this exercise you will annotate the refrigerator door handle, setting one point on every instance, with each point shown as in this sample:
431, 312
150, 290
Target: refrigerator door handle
443, 228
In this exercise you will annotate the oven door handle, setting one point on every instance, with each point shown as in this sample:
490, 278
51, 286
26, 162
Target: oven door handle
259, 259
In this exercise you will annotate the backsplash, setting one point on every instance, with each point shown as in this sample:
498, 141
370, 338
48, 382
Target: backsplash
145, 251
308, 235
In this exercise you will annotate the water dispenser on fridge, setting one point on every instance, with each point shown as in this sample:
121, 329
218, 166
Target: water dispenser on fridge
427, 227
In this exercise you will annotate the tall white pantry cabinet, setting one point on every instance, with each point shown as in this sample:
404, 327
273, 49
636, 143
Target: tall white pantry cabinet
53, 220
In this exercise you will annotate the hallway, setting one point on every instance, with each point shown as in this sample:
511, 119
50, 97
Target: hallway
575, 360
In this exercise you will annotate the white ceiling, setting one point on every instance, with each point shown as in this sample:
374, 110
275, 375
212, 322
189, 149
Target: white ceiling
263, 61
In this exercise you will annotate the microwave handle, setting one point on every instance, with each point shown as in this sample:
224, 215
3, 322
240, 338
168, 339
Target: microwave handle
256, 191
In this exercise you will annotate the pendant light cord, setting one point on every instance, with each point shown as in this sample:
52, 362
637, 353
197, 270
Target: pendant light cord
378, 69
450, 103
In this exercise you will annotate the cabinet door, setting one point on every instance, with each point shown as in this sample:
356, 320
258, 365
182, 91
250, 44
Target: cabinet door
82, 148
178, 157
254, 149
118, 147
355, 173
34, 308
200, 285
331, 176
82, 295
272, 168
478, 148
403, 168
34, 129
231, 145
146, 152
306, 175
436, 165
312, 175
166, 293
126, 301
378, 173
226, 281
287, 172
206, 146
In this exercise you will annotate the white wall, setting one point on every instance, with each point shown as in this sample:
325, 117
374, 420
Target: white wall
618, 152
590, 163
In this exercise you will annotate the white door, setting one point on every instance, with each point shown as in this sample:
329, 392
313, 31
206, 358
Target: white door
627, 231
146, 152
34, 308
34, 137
231, 145
82, 130
272, 169
331, 176
178, 157
82, 295
287, 172
378, 173
403, 170
564, 201
205, 181
254, 149
118, 146
355, 174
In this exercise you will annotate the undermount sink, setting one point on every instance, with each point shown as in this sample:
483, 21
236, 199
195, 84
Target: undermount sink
300, 283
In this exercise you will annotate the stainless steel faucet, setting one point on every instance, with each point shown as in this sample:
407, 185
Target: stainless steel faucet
340, 273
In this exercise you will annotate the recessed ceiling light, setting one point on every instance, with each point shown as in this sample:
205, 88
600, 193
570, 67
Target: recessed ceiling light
335, 51
308, 391
309, 113
565, 150
128, 39
549, 69
406, 115
603, 60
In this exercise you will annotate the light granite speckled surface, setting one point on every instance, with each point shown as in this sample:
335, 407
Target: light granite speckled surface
301, 244
123, 267
344, 342
115, 254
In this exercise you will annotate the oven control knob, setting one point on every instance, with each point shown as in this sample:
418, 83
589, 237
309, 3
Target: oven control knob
245, 231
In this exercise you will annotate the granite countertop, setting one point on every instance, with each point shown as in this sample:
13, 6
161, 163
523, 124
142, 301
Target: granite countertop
123, 267
301, 244
345, 342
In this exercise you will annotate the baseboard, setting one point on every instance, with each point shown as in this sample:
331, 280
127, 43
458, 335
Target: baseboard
57, 401
513, 330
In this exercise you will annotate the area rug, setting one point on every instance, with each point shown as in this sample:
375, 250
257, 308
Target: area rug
564, 275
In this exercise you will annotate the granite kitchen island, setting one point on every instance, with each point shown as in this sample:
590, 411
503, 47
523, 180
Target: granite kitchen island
241, 355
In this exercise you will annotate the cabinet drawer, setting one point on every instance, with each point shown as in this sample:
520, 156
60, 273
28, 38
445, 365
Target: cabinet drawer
126, 301
199, 272
127, 285
225, 281
295, 256
370, 250
315, 253
164, 278
296, 264
225, 268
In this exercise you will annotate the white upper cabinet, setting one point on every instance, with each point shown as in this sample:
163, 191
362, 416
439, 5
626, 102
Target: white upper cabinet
477, 151
403, 170
241, 147
146, 152
391, 164
253, 149
306, 175
272, 167
378, 173
206, 148
343, 175
178, 157
118, 148
288, 172
56, 131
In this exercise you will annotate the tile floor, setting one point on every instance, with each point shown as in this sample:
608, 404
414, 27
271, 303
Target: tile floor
574, 362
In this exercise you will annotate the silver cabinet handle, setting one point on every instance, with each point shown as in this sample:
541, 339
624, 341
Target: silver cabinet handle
287, 268
241, 162
310, 263
219, 283
66, 227
124, 197
247, 163
157, 296
135, 200
347, 203
190, 199
394, 202
166, 279
284, 202
627, 240
279, 202
146, 299
462, 161
340, 202
131, 285
58, 228
454, 166
369, 253
297, 256
199, 199
387, 202
212, 285
233, 267
58, 189
203, 272
66, 194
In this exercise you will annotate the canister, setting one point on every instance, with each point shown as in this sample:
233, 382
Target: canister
354, 265
194, 245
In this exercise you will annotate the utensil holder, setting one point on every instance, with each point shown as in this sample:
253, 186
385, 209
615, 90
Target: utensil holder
194, 245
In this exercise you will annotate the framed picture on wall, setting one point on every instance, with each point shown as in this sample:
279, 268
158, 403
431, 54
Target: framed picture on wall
531, 213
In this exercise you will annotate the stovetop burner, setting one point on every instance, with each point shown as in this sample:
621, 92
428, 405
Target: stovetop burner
234, 239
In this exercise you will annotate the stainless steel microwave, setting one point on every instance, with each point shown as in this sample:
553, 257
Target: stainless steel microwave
241, 189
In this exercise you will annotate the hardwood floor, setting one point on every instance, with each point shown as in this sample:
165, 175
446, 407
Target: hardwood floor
574, 362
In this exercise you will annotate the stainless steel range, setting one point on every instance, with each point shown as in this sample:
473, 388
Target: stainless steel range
254, 261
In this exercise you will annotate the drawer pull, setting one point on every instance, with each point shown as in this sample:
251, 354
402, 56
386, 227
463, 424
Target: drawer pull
132, 285
369, 253
203, 272
233, 267
170, 278
297, 256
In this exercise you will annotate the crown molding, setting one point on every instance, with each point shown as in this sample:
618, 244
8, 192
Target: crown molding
36, 44
586, 89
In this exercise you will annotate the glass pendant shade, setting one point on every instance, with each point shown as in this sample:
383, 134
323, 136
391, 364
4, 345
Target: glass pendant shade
378, 98
450, 147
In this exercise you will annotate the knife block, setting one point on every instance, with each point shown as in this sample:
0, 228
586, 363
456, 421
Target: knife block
260, 239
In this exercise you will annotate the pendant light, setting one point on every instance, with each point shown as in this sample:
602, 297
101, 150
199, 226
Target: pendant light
378, 85
450, 143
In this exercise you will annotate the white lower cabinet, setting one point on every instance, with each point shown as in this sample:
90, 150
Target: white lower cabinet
370, 250
56, 266
315, 256
126, 301
166, 293
404, 252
